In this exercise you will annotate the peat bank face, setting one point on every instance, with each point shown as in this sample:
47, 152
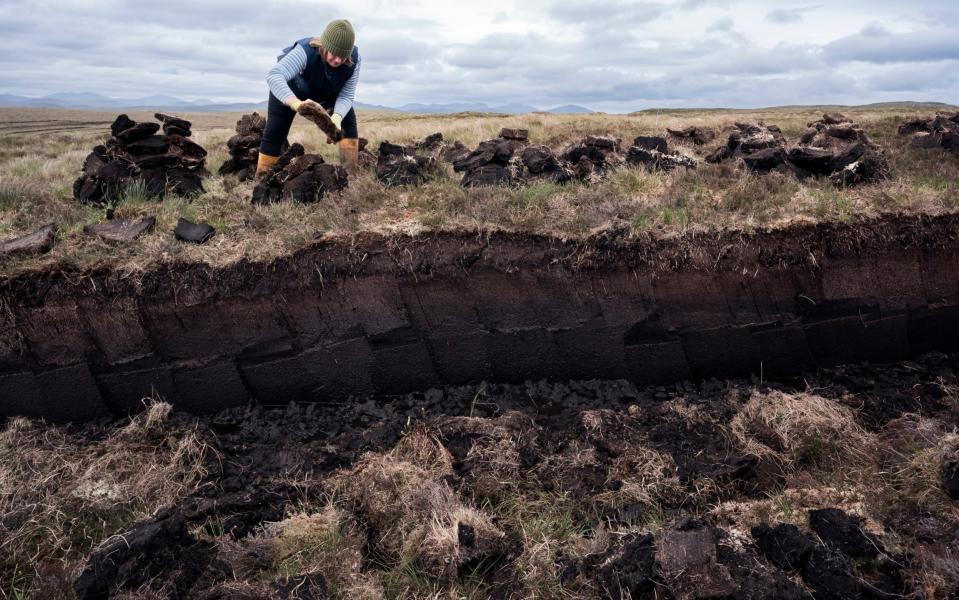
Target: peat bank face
388, 315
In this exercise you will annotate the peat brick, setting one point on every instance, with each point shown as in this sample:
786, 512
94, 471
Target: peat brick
657, 362
19, 395
721, 352
519, 355
934, 329
125, 391
69, 394
209, 389
404, 368
460, 359
332, 372
592, 352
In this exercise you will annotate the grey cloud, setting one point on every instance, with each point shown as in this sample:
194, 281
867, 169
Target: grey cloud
875, 44
788, 15
724, 24
622, 12
618, 55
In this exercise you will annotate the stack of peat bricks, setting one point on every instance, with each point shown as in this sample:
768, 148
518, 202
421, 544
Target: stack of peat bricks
697, 135
435, 146
941, 131
401, 165
762, 148
494, 162
165, 163
593, 157
653, 151
509, 159
299, 177
541, 163
244, 147
365, 158
833, 147
836, 147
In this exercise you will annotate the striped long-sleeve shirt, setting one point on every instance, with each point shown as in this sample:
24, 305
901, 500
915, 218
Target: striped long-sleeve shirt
293, 64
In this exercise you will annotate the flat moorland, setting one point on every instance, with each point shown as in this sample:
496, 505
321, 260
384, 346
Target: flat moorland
42, 152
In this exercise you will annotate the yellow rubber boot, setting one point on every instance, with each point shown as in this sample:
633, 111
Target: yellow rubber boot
264, 163
350, 154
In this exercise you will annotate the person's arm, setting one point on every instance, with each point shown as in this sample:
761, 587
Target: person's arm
344, 101
283, 71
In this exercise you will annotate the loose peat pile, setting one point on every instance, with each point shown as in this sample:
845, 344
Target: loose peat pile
833, 147
762, 147
697, 135
593, 156
244, 147
653, 151
941, 131
165, 163
401, 165
494, 162
836, 147
299, 177
436, 146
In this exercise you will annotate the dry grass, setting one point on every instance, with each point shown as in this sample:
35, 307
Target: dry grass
414, 515
799, 431
61, 494
326, 542
37, 171
828, 460
911, 451
391, 525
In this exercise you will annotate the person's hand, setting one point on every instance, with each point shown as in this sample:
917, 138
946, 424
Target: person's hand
338, 121
294, 104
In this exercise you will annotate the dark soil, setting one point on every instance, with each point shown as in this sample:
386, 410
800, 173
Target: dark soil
804, 246
686, 557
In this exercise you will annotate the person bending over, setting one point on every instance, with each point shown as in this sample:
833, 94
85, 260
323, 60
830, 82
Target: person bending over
323, 69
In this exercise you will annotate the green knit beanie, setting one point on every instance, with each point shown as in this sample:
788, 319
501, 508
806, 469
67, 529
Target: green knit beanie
338, 38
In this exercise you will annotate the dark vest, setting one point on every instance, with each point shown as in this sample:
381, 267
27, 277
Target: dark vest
319, 81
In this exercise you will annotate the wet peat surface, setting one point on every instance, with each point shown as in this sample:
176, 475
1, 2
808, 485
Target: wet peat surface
589, 489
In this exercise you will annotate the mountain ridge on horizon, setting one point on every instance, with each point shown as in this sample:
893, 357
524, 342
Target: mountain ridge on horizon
161, 102
95, 101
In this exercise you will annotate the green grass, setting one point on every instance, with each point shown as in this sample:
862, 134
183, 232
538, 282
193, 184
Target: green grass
632, 181
11, 195
670, 216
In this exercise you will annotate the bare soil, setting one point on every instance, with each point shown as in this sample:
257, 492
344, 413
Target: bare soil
584, 489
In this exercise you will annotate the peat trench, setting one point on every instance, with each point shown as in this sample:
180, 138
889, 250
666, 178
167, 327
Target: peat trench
376, 314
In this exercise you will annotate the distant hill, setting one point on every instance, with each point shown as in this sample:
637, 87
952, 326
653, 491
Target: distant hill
899, 106
94, 101
570, 109
462, 107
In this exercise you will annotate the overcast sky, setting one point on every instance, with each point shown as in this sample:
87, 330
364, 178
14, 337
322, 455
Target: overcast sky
614, 56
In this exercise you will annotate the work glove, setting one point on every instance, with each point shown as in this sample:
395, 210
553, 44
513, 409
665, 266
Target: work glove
338, 121
295, 104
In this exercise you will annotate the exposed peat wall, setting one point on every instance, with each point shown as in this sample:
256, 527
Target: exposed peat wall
377, 314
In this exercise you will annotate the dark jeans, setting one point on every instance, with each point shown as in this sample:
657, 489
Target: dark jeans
279, 118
